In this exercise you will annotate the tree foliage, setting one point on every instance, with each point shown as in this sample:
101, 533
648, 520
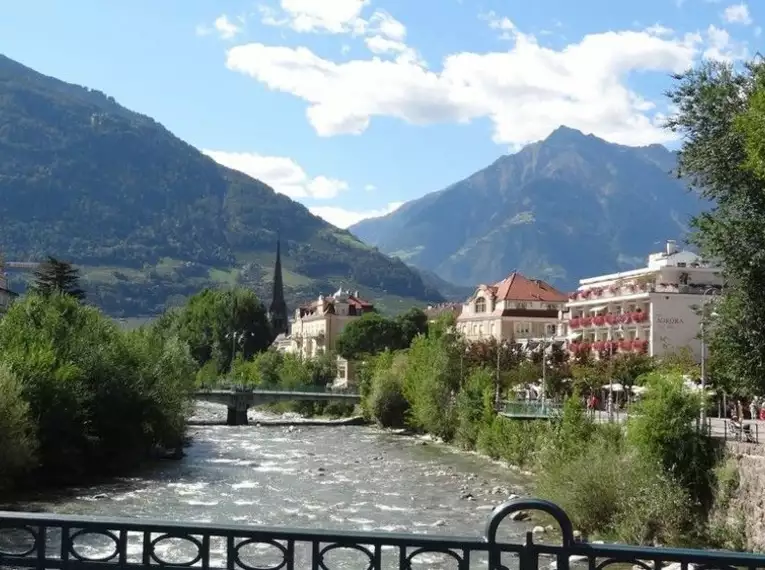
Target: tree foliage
220, 324
374, 333
55, 276
720, 121
84, 395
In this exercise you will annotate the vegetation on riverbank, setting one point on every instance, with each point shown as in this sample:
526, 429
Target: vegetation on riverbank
79, 397
651, 482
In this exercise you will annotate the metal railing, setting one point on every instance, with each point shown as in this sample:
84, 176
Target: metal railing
746, 431
531, 409
311, 388
31, 540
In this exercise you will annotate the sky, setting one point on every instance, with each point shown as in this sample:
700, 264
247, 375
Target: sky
353, 107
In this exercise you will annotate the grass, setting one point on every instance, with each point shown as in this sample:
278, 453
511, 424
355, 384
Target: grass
224, 277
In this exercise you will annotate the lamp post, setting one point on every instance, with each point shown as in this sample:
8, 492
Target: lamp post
611, 374
712, 291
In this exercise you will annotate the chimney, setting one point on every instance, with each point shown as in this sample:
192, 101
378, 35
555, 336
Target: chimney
356, 294
671, 247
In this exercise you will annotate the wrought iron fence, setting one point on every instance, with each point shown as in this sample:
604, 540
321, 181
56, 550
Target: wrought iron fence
82, 543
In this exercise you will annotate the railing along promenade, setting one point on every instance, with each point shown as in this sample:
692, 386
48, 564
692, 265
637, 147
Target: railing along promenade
42, 541
747, 431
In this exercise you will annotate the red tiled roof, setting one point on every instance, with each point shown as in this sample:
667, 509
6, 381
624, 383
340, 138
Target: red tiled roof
517, 287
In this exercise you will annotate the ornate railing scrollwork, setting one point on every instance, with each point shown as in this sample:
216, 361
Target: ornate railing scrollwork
31, 540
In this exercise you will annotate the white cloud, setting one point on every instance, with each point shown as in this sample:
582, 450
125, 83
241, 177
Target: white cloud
526, 91
224, 27
281, 173
334, 17
737, 14
370, 187
343, 218
722, 48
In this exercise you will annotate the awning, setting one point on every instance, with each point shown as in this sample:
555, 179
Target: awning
599, 308
574, 335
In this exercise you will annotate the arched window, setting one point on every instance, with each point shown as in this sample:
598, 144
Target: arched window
480, 305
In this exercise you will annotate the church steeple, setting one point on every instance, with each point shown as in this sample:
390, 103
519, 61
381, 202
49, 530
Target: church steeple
278, 310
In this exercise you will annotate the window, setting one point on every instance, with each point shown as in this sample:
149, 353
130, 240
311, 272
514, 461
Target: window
552, 307
521, 306
522, 329
550, 329
480, 305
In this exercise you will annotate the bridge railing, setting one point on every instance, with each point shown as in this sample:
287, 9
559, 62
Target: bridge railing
84, 543
311, 388
531, 409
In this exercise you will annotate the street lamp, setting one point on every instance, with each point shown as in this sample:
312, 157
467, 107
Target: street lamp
712, 291
611, 372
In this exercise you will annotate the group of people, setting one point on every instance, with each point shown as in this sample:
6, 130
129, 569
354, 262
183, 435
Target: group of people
754, 411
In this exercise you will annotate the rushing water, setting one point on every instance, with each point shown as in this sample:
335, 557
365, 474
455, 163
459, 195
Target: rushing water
350, 478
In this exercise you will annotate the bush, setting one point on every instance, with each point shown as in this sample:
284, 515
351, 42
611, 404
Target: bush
101, 398
18, 444
472, 412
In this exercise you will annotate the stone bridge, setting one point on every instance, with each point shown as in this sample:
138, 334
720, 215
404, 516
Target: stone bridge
239, 401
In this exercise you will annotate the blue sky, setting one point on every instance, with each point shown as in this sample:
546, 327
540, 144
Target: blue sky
355, 106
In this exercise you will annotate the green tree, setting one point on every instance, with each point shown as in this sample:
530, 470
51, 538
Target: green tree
217, 324
719, 119
412, 323
370, 334
664, 431
55, 276
18, 444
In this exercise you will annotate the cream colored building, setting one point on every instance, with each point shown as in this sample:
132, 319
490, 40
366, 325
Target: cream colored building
517, 308
656, 309
317, 326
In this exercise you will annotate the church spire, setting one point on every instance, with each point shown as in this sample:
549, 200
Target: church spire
278, 309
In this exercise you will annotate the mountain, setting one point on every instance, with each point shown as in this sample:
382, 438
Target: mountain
450, 291
150, 219
568, 207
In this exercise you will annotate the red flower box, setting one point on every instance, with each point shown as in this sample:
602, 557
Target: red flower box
573, 296
625, 318
599, 345
597, 291
585, 294
586, 321
599, 320
638, 317
640, 345
613, 289
575, 323
625, 344
584, 347
610, 319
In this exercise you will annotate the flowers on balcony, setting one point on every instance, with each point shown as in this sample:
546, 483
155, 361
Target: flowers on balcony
586, 294
600, 345
610, 319
625, 344
586, 321
573, 296
640, 345
599, 320
575, 323
597, 291
638, 317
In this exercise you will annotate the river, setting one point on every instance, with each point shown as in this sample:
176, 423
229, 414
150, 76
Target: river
350, 478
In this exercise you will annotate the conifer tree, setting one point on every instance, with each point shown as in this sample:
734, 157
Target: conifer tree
55, 276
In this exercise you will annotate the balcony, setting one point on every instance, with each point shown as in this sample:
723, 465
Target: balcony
609, 319
637, 288
613, 346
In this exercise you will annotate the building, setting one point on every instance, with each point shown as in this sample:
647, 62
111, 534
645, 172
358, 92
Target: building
435, 312
656, 309
318, 324
6, 295
517, 308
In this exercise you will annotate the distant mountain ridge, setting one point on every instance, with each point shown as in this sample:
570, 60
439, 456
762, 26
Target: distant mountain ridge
568, 207
150, 218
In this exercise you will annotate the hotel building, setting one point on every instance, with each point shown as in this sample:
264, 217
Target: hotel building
656, 309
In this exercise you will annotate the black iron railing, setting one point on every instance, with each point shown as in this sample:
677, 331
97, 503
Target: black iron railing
80, 543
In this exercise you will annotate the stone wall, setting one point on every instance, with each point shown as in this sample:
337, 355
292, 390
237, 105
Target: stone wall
747, 508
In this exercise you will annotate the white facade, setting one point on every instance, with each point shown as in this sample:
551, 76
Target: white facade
656, 309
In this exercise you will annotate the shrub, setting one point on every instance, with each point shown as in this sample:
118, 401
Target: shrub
18, 444
471, 407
